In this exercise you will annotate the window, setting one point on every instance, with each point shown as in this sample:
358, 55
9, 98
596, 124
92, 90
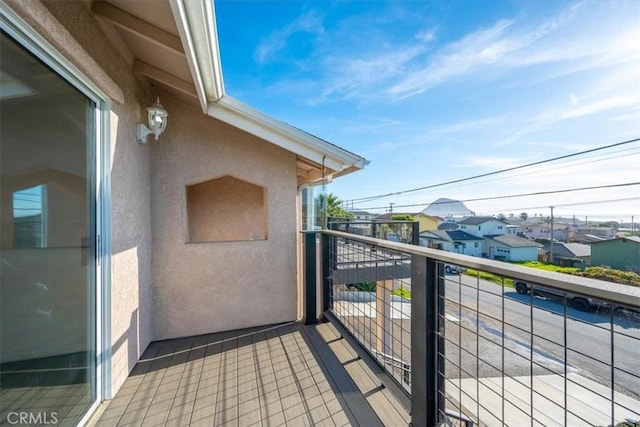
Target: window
226, 209
476, 244
29, 218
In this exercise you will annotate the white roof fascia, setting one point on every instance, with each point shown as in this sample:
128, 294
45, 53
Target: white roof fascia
236, 113
196, 24
195, 20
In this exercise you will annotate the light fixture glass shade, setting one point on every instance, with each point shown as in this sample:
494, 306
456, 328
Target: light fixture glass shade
157, 119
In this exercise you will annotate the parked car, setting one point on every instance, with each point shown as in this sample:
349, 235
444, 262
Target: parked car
579, 302
453, 269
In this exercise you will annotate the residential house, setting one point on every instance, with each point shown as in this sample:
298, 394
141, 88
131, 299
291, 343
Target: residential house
543, 231
457, 241
426, 222
567, 254
187, 231
363, 215
589, 230
448, 225
483, 226
622, 253
510, 248
500, 240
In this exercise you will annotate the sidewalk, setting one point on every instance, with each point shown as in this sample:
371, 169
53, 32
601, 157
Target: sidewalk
587, 402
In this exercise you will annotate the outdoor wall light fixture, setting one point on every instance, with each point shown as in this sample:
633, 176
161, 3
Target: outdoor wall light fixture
157, 117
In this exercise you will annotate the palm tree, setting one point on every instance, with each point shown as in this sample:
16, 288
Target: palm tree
330, 205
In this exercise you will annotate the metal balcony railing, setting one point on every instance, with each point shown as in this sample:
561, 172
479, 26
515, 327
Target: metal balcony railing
490, 343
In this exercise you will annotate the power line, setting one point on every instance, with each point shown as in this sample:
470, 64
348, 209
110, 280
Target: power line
564, 205
455, 181
564, 166
511, 196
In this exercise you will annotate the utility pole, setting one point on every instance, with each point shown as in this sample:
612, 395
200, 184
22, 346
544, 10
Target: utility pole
551, 243
391, 207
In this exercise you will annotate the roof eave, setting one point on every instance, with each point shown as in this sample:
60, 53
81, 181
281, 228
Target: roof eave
196, 24
234, 112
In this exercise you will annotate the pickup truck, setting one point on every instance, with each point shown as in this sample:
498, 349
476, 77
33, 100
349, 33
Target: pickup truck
579, 302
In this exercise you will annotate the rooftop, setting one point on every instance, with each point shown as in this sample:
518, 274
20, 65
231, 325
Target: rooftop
477, 220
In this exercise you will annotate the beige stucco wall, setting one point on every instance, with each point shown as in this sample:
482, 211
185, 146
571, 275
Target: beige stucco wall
73, 31
215, 204
162, 286
208, 287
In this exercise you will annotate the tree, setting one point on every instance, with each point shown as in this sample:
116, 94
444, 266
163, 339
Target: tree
501, 217
402, 217
332, 205
524, 216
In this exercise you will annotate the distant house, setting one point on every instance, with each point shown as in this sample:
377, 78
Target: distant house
587, 239
456, 241
448, 225
543, 231
602, 232
622, 253
483, 225
427, 222
567, 254
507, 247
363, 215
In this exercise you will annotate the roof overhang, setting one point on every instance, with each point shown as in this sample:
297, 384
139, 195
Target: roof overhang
188, 63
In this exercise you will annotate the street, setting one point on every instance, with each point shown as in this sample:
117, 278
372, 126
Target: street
534, 328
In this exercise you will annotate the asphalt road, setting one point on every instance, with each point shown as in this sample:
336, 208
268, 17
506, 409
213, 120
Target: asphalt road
535, 329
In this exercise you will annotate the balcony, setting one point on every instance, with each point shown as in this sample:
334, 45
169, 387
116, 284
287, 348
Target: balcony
390, 338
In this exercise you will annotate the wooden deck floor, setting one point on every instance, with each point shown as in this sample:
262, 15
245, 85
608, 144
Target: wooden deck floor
282, 375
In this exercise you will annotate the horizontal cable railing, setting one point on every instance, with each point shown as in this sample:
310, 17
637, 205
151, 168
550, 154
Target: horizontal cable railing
477, 341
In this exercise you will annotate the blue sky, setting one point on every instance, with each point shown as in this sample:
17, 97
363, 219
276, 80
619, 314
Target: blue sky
432, 91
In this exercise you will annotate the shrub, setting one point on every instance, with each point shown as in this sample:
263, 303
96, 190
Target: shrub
364, 286
402, 292
491, 277
611, 275
548, 267
601, 273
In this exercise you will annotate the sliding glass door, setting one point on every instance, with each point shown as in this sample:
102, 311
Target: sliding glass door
47, 243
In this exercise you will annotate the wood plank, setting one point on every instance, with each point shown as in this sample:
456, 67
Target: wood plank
355, 406
137, 26
165, 78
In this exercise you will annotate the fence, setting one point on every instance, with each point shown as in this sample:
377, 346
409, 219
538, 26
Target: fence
490, 344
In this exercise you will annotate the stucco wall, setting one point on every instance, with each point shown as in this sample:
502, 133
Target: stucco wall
208, 287
73, 31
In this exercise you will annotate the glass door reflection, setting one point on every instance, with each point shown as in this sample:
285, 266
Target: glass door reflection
47, 242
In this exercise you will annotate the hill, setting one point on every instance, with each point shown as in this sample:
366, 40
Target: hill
444, 207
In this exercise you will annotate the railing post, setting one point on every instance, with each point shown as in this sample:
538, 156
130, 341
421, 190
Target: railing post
426, 384
415, 235
310, 279
328, 265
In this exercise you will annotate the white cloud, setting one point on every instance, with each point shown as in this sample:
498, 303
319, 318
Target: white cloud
277, 41
574, 99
